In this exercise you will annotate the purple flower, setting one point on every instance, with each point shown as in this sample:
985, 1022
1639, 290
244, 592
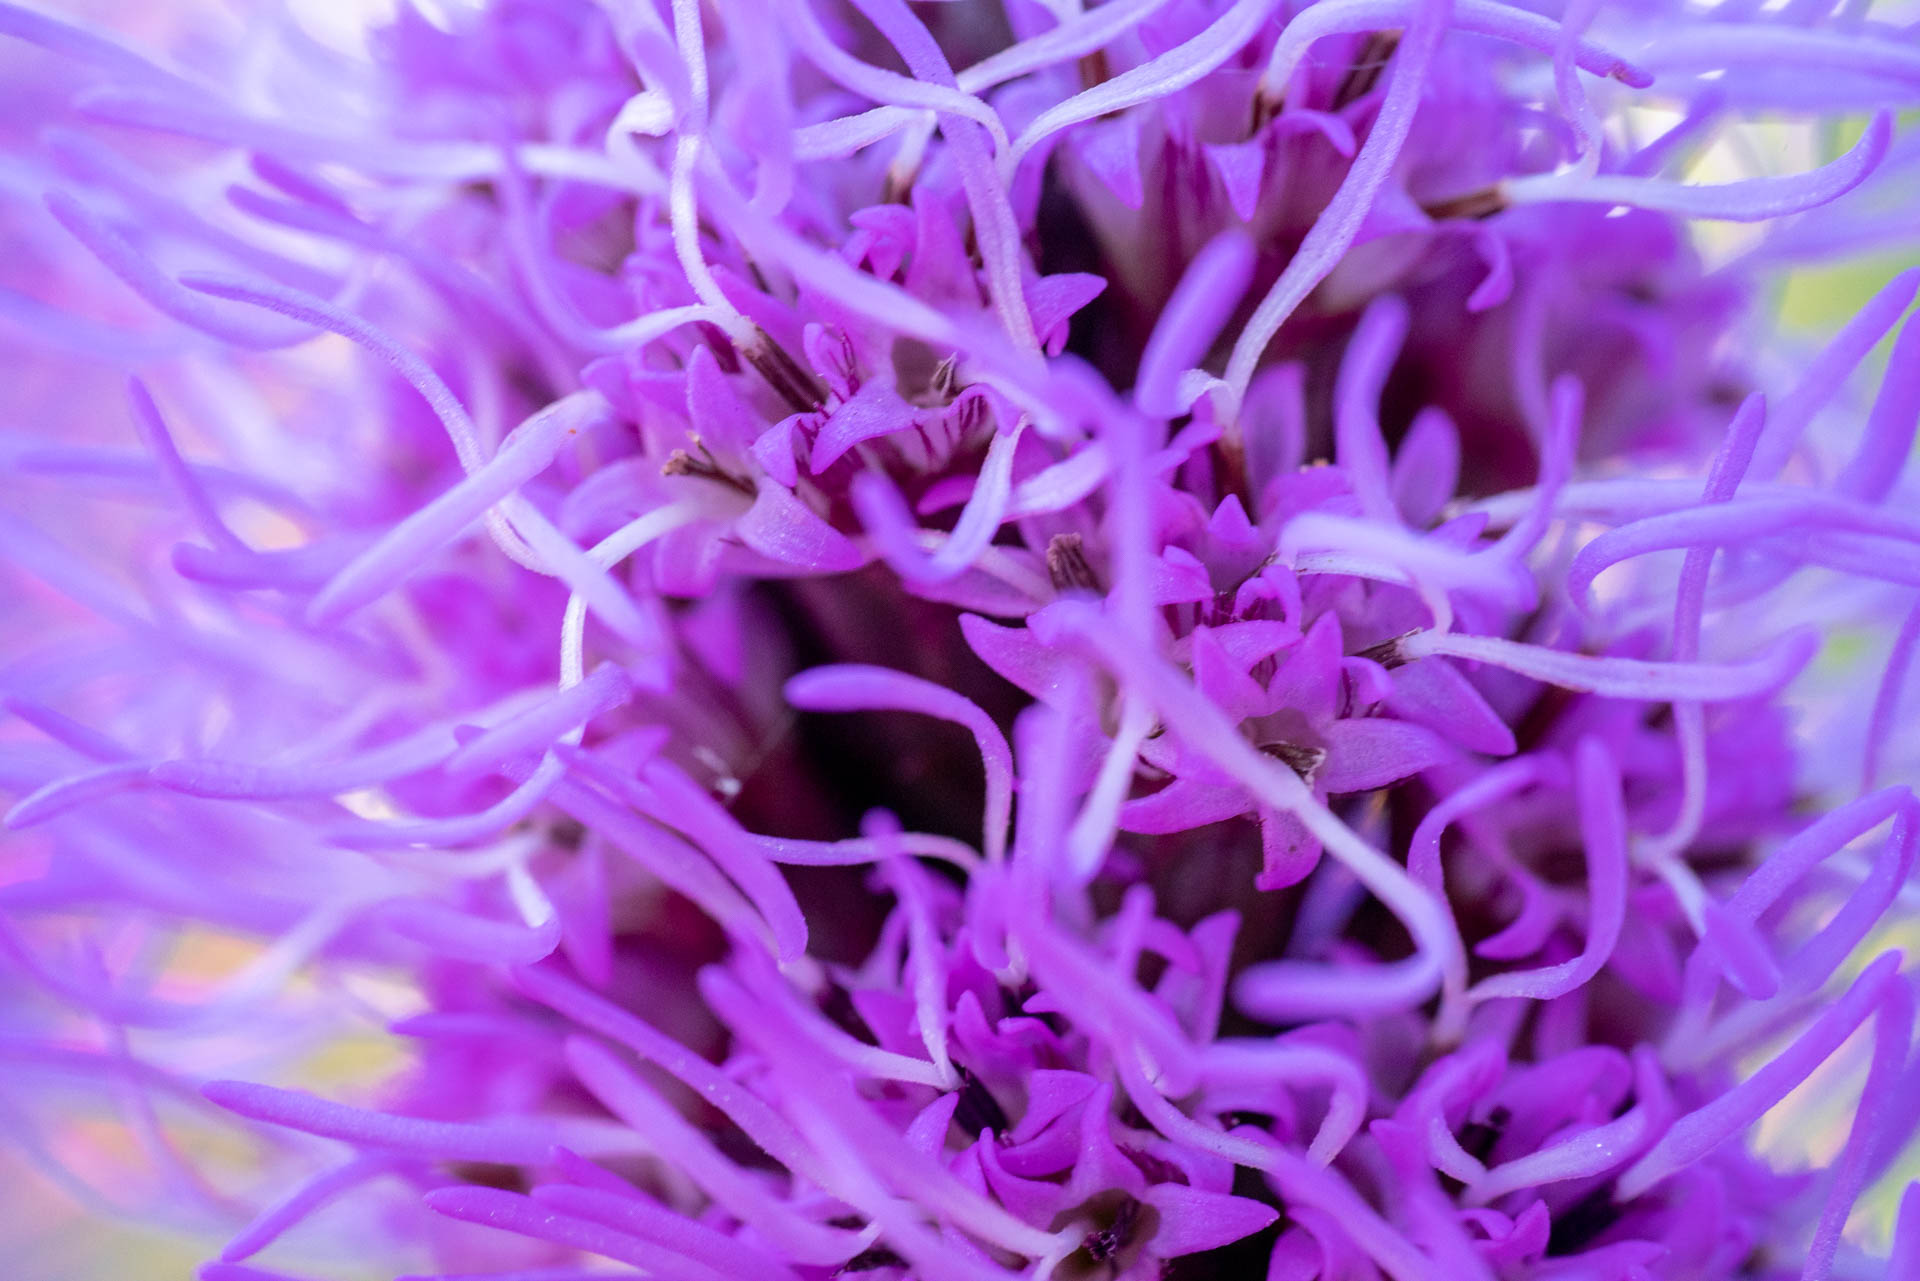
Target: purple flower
1162, 639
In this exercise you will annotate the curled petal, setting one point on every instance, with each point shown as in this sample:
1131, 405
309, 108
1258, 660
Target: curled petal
1628, 678
1747, 200
852, 688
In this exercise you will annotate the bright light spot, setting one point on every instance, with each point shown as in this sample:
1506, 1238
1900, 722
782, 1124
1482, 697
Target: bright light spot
370, 803
342, 24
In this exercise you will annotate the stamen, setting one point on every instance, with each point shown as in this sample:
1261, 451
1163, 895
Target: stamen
1372, 59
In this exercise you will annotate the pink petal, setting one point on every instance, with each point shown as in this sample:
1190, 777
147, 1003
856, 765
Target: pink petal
1365, 754
1242, 166
781, 527
1433, 693
1192, 1220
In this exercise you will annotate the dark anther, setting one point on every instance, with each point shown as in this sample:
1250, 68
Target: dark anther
1106, 1244
489, 1174
1387, 653
1367, 67
1094, 69
784, 374
1231, 452
1304, 761
704, 465
1067, 565
897, 187
1484, 203
978, 1111
1264, 110
867, 1260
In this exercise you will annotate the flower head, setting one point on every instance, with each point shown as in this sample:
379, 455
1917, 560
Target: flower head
1172, 638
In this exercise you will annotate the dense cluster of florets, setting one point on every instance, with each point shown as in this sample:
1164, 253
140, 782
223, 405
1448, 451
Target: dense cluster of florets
1163, 639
